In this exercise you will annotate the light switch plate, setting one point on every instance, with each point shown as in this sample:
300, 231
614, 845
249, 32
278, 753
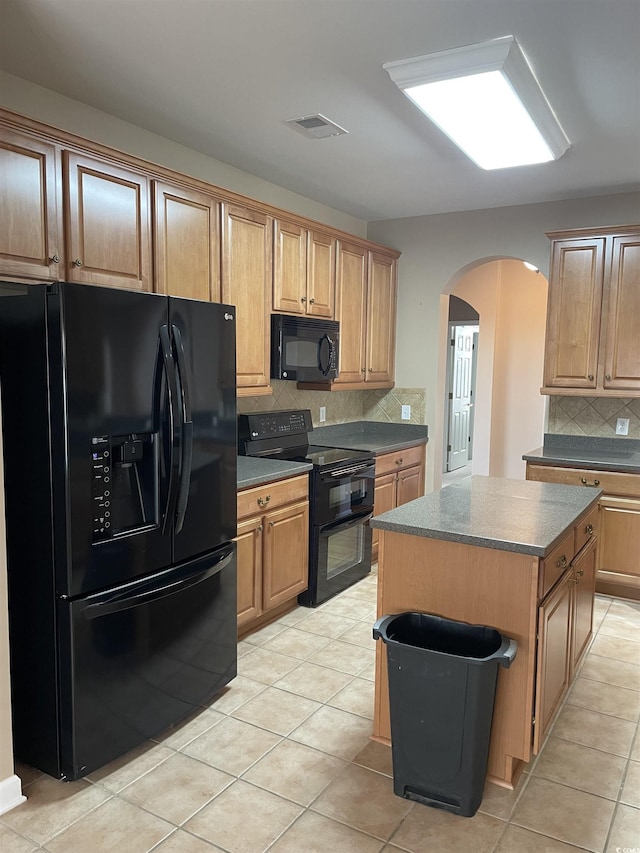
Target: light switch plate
622, 426
406, 413
323, 414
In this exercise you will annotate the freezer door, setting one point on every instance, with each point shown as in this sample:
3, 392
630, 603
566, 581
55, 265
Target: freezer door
139, 658
203, 335
112, 391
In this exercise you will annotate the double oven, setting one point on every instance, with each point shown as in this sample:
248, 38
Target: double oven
340, 497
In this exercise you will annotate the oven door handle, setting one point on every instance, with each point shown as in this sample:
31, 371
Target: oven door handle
354, 469
345, 524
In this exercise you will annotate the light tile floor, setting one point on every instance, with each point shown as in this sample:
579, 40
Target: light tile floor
283, 762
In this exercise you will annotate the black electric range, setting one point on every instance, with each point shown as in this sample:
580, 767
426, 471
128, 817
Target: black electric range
340, 497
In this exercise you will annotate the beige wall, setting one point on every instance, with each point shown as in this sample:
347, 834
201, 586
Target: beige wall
35, 102
437, 251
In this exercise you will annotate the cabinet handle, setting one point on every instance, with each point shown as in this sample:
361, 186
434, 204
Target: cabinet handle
55, 259
579, 573
595, 483
562, 562
364, 370
589, 529
371, 370
264, 501
271, 523
608, 377
399, 461
590, 377
312, 301
303, 299
77, 262
259, 529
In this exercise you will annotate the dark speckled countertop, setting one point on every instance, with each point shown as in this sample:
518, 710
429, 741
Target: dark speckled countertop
253, 471
375, 436
509, 515
601, 454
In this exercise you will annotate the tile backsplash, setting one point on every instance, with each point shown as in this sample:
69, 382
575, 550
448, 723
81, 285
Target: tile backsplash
341, 406
594, 416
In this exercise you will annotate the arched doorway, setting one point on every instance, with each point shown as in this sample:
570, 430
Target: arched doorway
509, 411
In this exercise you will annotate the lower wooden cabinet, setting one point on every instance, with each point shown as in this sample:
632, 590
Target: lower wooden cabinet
565, 620
273, 547
399, 479
618, 565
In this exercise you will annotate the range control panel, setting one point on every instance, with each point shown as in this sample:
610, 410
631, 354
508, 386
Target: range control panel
271, 424
101, 464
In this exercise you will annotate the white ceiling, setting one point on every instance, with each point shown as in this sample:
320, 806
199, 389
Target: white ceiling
222, 76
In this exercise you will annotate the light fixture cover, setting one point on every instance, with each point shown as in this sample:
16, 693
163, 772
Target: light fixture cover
486, 98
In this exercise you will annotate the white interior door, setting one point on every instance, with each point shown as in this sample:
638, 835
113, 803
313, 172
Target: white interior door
460, 395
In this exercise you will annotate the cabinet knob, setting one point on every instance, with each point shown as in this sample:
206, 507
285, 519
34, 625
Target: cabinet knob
77, 262
562, 562
608, 377
579, 573
303, 299
312, 301
364, 370
271, 523
264, 501
399, 461
595, 483
371, 370
259, 529
590, 377
55, 259
589, 529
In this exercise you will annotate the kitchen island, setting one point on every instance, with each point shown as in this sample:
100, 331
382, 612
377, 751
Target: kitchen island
516, 556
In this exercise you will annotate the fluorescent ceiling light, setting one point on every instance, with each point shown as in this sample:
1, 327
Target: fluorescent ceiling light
487, 100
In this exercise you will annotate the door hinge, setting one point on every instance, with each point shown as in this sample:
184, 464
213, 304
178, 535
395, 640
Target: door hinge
451, 395
448, 448
452, 342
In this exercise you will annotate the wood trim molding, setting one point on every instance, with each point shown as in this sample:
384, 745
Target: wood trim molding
585, 233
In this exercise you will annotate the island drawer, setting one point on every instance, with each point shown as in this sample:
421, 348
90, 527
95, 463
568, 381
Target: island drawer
611, 482
389, 462
262, 498
556, 563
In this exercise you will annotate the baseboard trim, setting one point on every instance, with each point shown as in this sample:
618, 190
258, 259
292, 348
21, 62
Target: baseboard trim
11, 793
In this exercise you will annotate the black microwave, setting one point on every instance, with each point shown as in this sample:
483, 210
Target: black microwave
305, 349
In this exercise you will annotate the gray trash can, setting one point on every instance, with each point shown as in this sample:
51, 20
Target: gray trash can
442, 683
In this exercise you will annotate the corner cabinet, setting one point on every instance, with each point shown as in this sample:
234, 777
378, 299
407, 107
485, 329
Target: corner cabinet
246, 283
31, 242
366, 310
273, 546
303, 270
399, 479
593, 314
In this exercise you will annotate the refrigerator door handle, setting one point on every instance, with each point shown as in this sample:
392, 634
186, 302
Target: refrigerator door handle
187, 432
174, 434
130, 599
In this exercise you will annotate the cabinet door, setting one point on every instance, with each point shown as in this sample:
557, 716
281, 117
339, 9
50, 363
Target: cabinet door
30, 209
351, 304
246, 283
249, 542
381, 319
321, 274
107, 220
619, 547
622, 354
584, 568
187, 243
286, 554
553, 674
384, 499
289, 268
573, 313
410, 485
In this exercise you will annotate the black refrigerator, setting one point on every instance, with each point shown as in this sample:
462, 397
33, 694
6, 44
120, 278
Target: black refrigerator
119, 432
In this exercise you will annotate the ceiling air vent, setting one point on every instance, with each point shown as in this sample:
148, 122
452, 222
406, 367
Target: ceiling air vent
316, 126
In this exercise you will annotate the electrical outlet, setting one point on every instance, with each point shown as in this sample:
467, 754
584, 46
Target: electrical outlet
622, 426
323, 414
406, 413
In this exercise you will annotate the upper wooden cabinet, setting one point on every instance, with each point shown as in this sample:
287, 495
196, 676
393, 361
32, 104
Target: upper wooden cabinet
303, 270
30, 208
366, 309
593, 313
107, 224
186, 230
246, 283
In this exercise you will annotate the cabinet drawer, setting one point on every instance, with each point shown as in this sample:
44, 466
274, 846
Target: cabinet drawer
556, 564
586, 529
611, 482
389, 462
262, 498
